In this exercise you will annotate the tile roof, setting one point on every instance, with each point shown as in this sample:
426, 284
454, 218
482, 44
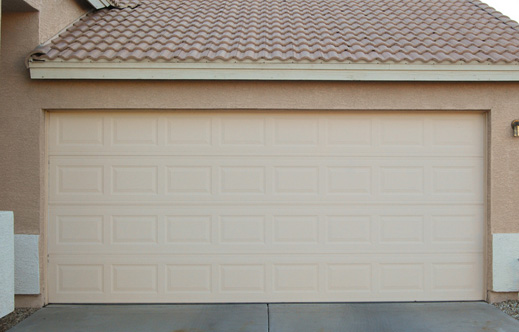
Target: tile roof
302, 31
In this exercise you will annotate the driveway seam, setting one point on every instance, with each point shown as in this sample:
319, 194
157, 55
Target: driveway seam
268, 317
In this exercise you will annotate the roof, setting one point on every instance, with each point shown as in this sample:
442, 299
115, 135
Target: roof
392, 32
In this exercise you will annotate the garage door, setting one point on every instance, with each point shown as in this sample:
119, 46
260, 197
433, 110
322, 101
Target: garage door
265, 206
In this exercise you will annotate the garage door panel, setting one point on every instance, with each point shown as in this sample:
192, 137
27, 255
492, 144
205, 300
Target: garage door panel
212, 278
299, 229
262, 180
266, 133
265, 206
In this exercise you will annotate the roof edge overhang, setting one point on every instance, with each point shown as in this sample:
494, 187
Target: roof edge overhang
98, 4
271, 71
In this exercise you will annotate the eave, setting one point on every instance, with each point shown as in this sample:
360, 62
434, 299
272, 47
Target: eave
271, 71
98, 4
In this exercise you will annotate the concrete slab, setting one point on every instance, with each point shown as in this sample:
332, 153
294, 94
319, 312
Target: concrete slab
390, 317
339, 317
147, 318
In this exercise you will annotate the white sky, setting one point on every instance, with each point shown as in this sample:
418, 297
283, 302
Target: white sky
508, 7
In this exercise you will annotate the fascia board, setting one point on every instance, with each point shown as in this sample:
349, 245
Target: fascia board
270, 71
98, 4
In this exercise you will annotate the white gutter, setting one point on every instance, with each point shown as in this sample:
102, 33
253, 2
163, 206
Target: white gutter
98, 4
271, 71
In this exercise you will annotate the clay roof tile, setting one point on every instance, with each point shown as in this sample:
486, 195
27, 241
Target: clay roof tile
385, 31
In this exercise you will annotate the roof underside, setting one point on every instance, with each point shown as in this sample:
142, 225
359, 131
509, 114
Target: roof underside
290, 31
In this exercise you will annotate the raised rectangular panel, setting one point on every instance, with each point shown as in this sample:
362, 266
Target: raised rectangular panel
243, 131
80, 130
135, 130
188, 229
401, 277
296, 229
134, 229
349, 277
243, 180
296, 180
189, 131
188, 278
27, 264
348, 229
455, 276
454, 180
242, 278
505, 269
134, 278
454, 132
401, 229
7, 263
189, 180
80, 229
401, 132
242, 229
134, 179
296, 277
349, 180
80, 278
80, 179
349, 132
296, 132
457, 228
402, 180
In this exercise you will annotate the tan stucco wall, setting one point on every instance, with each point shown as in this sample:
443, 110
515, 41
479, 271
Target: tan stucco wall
57, 14
22, 125
494, 297
35, 3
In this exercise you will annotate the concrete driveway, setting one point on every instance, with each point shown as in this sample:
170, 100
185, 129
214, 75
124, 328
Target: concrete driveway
338, 317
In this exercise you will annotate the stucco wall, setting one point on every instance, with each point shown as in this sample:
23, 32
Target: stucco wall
57, 14
22, 129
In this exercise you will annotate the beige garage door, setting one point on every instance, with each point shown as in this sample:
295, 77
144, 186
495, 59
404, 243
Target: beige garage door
265, 206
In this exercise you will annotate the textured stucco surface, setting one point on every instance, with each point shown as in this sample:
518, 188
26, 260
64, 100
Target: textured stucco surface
24, 102
57, 14
6, 263
18, 6
26, 264
34, 3
28, 301
505, 261
496, 297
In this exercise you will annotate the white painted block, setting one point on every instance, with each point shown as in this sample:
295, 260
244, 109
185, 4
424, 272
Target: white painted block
6, 263
505, 262
26, 264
